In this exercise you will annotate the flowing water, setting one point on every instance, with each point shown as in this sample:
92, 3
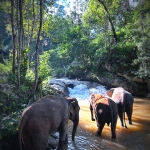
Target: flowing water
136, 137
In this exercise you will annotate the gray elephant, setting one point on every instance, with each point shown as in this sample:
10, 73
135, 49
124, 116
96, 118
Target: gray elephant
124, 101
105, 111
45, 116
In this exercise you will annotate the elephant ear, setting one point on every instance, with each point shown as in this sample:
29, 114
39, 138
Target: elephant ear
92, 99
74, 107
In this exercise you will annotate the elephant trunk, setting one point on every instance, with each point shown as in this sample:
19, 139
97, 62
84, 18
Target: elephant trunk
75, 125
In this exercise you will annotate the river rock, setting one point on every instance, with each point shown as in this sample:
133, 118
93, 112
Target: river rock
59, 86
136, 88
76, 88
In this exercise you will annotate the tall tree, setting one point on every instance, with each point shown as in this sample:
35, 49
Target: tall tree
140, 30
20, 39
13, 36
30, 33
37, 48
110, 20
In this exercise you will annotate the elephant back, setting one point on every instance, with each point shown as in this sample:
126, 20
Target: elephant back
118, 95
95, 99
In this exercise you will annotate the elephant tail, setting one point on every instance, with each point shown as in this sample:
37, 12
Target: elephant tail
124, 120
124, 110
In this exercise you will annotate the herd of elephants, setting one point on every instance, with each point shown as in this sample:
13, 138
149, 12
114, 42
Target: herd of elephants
51, 113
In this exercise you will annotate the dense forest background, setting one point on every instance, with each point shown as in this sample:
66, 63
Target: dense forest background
42, 39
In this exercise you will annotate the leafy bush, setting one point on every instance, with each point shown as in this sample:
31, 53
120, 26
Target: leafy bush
44, 66
75, 71
59, 72
120, 61
4, 70
8, 132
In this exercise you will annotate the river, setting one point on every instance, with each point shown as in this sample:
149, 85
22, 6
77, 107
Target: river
136, 137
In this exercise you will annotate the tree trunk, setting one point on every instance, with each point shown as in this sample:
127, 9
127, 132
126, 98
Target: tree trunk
37, 48
20, 38
111, 23
33, 22
13, 37
30, 33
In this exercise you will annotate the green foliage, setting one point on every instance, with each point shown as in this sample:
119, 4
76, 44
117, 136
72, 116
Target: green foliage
119, 59
74, 32
13, 102
44, 66
24, 63
5, 68
59, 72
30, 75
9, 124
5, 38
76, 70
72, 47
11, 105
44, 69
140, 31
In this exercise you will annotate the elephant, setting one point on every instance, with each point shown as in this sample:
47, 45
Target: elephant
45, 116
124, 101
105, 111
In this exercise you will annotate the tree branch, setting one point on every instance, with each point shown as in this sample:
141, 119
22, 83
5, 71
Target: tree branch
111, 23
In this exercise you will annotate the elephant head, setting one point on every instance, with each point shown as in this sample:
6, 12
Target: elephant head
74, 114
45, 116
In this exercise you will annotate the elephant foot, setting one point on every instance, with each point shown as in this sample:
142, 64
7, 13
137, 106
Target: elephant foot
98, 133
114, 136
122, 124
130, 122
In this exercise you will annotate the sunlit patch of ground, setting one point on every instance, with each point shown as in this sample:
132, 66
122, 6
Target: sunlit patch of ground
136, 137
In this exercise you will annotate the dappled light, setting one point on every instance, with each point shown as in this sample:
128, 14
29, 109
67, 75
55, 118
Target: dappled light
136, 137
75, 48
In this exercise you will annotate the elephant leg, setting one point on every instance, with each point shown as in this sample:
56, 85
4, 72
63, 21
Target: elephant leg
75, 125
63, 137
97, 120
37, 139
40, 140
63, 145
92, 116
27, 142
129, 114
41, 144
121, 118
100, 128
120, 113
113, 130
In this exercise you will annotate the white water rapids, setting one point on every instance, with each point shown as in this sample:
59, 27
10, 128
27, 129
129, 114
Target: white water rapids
82, 92
83, 89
